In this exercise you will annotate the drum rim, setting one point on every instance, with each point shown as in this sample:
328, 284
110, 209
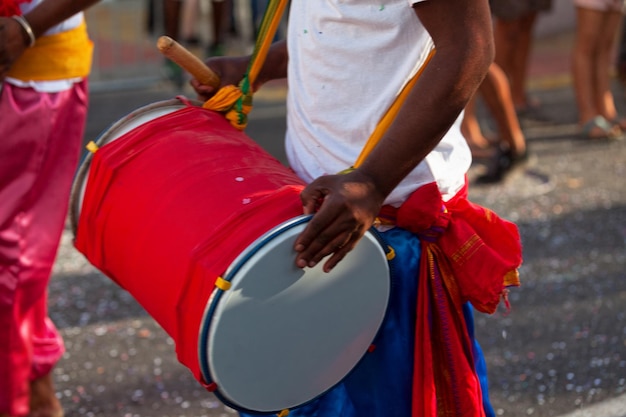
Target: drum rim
236, 265
103, 139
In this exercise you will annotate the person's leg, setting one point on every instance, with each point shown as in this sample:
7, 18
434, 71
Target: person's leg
171, 16
506, 33
496, 92
35, 190
519, 65
218, 15
621, 55
511, 146
603, 95
584, 56
587, 25
188, 22
255, 15
47, 350
171, 27
49, 203
20, 152
471, 130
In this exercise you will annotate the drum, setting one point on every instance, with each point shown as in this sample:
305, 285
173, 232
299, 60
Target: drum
198, 222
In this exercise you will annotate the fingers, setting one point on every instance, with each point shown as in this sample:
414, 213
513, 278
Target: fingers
203, 91
336, 252
342, 252
312, 200
343, 208
324, 237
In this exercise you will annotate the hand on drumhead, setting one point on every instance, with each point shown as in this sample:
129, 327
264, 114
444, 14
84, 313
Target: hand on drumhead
229, 69
345, 207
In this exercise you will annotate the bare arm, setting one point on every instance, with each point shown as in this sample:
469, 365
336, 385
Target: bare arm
14, 39
461, 31
53, 12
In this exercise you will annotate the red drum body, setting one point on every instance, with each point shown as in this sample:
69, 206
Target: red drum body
197, 222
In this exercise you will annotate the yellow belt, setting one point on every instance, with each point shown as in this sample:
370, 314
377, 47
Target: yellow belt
56, 57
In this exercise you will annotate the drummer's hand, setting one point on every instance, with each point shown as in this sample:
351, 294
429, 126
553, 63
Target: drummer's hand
13, 42
230, 70
346, 205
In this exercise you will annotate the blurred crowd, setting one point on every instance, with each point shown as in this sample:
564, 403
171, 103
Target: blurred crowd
204, 26
504, 90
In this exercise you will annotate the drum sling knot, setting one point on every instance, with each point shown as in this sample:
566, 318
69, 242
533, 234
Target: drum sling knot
235, 102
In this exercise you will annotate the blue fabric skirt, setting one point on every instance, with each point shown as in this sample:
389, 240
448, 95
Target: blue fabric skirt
381, 384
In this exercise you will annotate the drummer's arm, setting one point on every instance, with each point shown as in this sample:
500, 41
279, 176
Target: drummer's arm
346, 205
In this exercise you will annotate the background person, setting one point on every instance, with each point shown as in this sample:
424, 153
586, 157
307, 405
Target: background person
45, 57
597, 23
513, 34
509, 148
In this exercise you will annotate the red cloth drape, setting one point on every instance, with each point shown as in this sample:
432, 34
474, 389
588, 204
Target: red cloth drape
468, 254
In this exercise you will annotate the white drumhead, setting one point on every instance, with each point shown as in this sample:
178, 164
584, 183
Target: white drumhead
132, 121
281, 336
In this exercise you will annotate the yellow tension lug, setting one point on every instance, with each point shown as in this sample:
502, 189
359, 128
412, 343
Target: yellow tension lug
92, 147
222, 284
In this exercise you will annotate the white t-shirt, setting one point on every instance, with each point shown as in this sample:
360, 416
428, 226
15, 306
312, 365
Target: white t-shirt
348, 59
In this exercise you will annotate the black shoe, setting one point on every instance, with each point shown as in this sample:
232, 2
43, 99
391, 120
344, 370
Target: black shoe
501, 165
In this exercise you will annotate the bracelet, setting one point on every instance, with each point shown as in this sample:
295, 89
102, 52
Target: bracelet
26, 26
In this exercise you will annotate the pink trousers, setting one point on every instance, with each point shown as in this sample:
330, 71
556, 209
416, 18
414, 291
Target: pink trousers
40, 140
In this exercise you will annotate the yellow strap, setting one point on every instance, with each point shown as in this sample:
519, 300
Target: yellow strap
236, 101
391, 114
283, 413
276, 8
56, 57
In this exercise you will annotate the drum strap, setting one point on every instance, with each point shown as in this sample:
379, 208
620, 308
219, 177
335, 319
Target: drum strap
390, 115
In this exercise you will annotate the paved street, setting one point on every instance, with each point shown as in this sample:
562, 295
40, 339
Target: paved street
561, 351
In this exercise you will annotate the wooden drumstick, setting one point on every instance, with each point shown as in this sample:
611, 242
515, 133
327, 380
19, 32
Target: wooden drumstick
188, 61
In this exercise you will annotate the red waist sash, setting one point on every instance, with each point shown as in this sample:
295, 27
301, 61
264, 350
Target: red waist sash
468, 254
